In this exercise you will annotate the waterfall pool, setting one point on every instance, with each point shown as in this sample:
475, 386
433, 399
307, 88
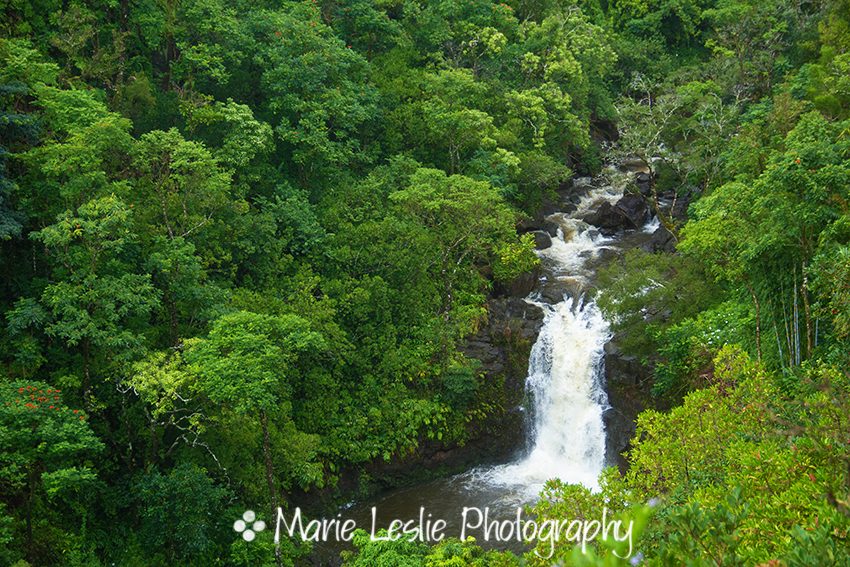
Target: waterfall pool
567, 399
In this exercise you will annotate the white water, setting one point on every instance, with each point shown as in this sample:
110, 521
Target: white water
565, 382
565, 379
565, 371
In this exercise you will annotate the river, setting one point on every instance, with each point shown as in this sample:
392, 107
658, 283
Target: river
565, 384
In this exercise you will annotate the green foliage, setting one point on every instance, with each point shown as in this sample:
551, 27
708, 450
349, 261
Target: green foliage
250, 240
686, 349
515, 259
245, 360
451, 552
184, 500
46, 462
646, 293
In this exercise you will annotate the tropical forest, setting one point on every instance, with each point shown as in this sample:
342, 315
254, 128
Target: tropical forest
424, 283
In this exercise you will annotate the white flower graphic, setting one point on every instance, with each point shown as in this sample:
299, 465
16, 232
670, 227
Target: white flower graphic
242, 526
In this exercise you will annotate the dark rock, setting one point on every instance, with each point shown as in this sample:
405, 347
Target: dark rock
555, 291
644, 183
626, 385
668, 195
634, 208
602, 255
622, 369
533, 225
634, 164
521, 317
520, 286
542, 240
660, 241
581, 184
629, 213
527, 224
567, 208
606, 255
619, 431
607, 219
550, 227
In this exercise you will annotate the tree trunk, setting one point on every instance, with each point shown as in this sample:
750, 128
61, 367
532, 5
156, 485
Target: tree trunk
273, 496
30, 495
758, 319
807, 310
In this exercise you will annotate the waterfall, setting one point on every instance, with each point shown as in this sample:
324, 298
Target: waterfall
566, 366
566, 382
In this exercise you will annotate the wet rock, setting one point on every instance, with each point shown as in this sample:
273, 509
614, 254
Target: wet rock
619, 431
626, 385
524, 318
644, 183
533, 225
634, 164
556, 291
622, 369
582, 182
600, 256
634, 208
660, 241
520, 286
607, 219
568, 208
550, 227
629, 213
542, 240
527, 224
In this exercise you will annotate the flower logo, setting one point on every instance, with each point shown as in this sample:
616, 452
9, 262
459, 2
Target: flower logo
248, 519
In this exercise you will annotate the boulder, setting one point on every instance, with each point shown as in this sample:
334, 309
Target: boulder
533, 225
660, 241
607, 219
634, 208
626, 383
634, 164
519, 287
644, 183
542, 240
556, 291
629, 213
550, 227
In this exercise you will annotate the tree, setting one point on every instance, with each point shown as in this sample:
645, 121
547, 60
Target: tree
249, 363
465, 220
315, 87
184, 208
184, 500
96, 303
46, 452
751, 36
718, 236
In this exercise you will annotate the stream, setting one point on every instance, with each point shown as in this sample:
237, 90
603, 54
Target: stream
565, 389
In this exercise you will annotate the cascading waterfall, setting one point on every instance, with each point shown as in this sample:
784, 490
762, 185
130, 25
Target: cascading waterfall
565, 372
565, 380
